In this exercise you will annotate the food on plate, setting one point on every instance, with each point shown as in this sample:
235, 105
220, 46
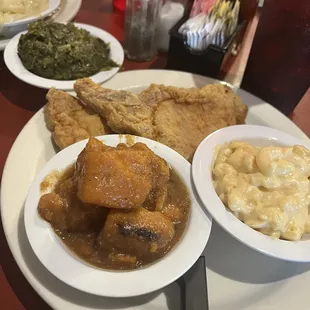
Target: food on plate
117, 208
148, 231
265, 187
69, 120
177, 117
63, 51
132, 176
13, 10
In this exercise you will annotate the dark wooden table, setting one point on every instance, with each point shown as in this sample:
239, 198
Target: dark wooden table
19, 102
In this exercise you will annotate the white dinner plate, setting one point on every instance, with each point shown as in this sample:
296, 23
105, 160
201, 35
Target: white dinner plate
67, 11
298, 251
16, 67
238, 277
51, 251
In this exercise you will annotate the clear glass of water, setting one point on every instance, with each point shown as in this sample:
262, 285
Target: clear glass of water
140, 29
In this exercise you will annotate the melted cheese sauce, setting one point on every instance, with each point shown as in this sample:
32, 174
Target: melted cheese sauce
265, 187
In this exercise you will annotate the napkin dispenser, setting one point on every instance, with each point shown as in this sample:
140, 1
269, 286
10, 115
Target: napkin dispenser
208, 62
212, 60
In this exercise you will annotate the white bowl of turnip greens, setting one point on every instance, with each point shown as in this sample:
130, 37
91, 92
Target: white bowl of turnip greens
55, 55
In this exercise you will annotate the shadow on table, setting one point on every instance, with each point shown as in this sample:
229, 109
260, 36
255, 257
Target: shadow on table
80, 298
228, 257
160, 62
22, 289
19, 93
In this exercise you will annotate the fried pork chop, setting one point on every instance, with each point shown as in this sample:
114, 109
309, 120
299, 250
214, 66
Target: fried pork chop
70, 121
178, 117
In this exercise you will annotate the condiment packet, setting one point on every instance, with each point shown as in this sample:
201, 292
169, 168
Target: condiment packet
201, 42
214, 24
207, 30
235, 15
207, 6
193, 24
202, 6
215, 30
196, 8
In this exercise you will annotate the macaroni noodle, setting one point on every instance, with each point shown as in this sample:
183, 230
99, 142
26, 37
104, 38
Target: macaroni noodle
265, 187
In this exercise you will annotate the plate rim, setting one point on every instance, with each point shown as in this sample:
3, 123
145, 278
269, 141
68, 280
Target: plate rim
15, 66
118, 82
236, 228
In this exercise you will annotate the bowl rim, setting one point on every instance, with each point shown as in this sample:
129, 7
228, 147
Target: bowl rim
52, 6
181, 258
298, 251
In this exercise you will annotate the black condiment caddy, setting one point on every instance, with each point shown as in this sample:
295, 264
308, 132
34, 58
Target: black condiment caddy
208, 62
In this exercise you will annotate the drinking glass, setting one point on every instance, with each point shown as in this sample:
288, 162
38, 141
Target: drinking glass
140, 29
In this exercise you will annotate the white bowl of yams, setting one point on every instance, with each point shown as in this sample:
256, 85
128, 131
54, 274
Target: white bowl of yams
116, 222
254, 181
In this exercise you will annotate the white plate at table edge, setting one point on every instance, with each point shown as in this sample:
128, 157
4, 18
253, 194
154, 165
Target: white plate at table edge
66, 14
21, 175
17, 68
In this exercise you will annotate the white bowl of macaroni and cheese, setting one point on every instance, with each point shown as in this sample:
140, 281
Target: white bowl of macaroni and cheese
15, 15
255, 182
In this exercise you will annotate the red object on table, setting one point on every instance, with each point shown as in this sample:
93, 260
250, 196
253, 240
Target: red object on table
119, 5
19, 102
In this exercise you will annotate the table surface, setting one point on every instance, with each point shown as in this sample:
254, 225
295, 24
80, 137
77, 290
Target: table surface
19, 102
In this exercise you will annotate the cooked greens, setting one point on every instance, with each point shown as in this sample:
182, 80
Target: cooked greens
63, 51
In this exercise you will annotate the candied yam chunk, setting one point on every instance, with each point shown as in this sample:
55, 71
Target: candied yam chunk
137, 232
53, 209
121, 177
64, 211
